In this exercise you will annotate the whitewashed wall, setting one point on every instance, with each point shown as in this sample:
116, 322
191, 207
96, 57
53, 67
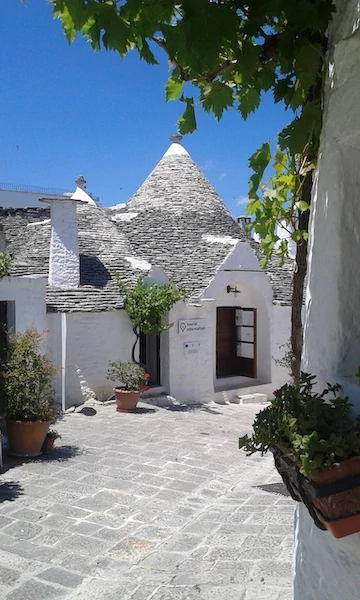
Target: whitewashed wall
16, 199
325, 568
190, 377
29, 295
249, 297
241, 270
93, 339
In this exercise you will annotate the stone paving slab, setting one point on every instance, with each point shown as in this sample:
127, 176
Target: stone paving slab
155, 505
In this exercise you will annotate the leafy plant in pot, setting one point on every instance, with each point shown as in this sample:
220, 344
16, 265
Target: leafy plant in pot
132, 380
26, 392
316, 446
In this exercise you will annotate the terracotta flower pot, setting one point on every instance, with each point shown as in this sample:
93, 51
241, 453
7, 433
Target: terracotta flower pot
26, 438
126, 401
332, 497
48, 445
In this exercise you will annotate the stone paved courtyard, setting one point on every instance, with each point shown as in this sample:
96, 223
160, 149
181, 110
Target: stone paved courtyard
156, 505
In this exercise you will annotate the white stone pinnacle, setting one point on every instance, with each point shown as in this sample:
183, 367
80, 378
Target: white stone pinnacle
176, 149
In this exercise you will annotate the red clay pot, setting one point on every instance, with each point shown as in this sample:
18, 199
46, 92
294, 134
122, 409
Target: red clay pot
126, 401
339, 511
26, 438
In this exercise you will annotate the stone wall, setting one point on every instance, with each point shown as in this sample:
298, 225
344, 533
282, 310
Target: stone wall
325, 568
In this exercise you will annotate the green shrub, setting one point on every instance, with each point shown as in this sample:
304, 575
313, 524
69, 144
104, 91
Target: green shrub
26, 392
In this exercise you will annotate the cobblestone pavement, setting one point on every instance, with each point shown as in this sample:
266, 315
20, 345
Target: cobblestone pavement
156, 505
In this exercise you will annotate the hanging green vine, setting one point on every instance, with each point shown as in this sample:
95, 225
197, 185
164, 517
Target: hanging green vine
149, 305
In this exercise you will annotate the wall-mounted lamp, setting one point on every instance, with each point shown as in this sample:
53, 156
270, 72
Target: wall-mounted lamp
231, 290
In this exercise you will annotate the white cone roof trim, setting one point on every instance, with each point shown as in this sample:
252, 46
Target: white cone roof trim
176, 149
82, 196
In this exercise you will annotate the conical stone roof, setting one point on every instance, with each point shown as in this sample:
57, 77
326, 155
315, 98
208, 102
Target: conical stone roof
178, 222
177, 185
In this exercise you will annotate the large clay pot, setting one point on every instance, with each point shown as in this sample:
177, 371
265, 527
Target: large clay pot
334, 493
126, 401
25, 438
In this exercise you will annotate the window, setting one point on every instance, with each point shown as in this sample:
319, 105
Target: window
236, 342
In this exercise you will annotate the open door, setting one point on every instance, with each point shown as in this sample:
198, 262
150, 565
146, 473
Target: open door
150, 357
236, 342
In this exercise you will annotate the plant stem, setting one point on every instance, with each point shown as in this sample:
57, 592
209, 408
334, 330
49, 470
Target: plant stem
137, 334
299, 283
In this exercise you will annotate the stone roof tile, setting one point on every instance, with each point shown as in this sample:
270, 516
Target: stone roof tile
178, 221
102, 249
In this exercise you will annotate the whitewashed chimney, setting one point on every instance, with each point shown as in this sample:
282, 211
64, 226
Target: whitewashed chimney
64, 265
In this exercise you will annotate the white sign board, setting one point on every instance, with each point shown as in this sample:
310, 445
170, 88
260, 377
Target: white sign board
191, 348
191, 326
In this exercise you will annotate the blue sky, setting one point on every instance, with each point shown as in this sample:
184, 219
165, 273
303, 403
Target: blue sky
65, 110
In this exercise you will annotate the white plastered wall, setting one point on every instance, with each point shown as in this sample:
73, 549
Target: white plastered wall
325, 568
93, 339
29, 295
192, 378
18, 199
241, 270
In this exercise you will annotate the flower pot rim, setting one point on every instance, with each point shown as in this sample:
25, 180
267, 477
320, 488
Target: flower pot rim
330, 480
27, 422
126, 391
342, 527
331, 469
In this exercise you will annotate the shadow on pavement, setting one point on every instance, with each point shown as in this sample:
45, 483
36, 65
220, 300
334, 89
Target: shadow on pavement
274, 488
59, 453
9, 491
171, 406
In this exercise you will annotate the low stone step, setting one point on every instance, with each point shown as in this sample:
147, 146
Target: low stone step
255, 398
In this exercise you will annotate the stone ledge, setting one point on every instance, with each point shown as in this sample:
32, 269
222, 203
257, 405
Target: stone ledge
255, 398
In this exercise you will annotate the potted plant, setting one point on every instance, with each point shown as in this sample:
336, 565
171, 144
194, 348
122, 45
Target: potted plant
50, 438
26, 393
316, 446
132, 380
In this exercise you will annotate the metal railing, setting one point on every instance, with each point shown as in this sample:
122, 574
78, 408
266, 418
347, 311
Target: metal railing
34, 189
